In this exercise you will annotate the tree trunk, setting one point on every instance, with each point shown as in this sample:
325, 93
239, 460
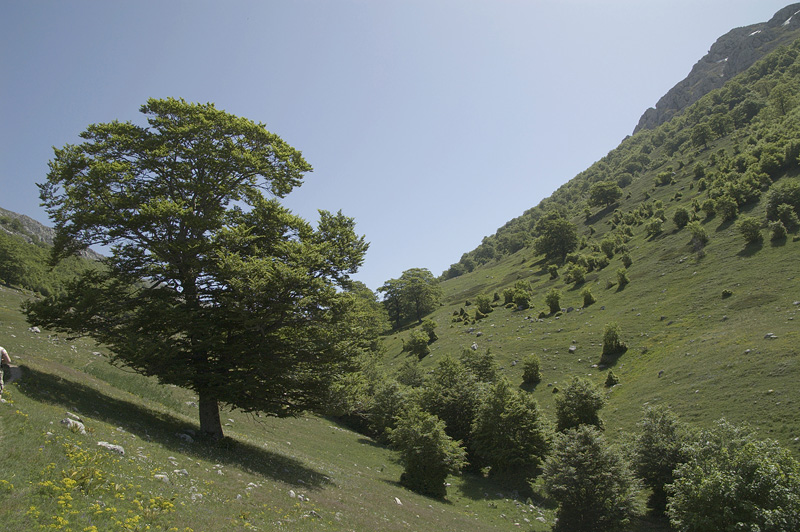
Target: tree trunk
210, 425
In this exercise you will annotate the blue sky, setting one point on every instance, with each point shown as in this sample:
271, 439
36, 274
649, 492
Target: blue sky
432, 123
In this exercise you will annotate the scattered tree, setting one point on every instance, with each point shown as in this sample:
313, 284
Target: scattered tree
750, 229
531, 372
579, 404
604, 193
427, 453
592, 483
557, 237
553, 300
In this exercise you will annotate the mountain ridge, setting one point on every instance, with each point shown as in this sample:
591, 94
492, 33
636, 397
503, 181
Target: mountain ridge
732, 53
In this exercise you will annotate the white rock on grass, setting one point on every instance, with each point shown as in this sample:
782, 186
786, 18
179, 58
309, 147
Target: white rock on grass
112, 447
75, 426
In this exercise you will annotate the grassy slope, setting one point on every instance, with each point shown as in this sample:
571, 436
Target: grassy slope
711, 351
52, 476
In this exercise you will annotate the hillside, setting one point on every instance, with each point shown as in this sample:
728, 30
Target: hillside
711, 328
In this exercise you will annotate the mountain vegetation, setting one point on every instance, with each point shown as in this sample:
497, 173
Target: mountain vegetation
623, 355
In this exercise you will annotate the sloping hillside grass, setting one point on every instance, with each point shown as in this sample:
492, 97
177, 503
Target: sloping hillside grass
268, 474
711, 329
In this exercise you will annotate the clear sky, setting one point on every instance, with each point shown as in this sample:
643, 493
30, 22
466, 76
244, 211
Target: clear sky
431, 122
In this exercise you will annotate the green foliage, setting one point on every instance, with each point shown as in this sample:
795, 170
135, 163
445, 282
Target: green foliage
699, 235
553, 271
453, 393
607, 246
427, 453
429, 327
553, 300
611, 379
510, 433
787, 215
253, 291
626, 260
588, 297
592, 483
417, 344
777, 230
750, 228
726, 207
622, 277
480, 363
654, 227
412, 296
658, 449
604, 193
557, 237
680, 217
26, 265
579, 404
388, 402
575, 274
484, 303
612, 341
410, 373
531, 369
733, 481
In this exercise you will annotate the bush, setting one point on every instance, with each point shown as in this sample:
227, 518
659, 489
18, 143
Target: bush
726, 293
750, 229
388, 402
732, 481
522, 299
627, 260
484, 304
429, 327
622, 277
427, 453
480, 363
654, 227
784, 192
709, 207
553, 271
580, 404
576, 274
699, 235
680, 217
588, 297
611, 379
510, 433
612, 343
417, 344
778, 230
553, 300
727, 208
786, 214
531, 369
592, 483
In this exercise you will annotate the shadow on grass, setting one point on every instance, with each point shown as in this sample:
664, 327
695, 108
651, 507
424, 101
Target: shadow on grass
477, 487
163, 428
751, 249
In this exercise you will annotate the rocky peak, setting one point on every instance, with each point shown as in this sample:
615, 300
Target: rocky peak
730, 55
33, 231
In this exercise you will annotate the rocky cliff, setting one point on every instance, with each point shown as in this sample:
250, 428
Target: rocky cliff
730, 55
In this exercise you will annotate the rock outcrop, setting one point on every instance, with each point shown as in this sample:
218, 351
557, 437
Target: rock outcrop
730, 55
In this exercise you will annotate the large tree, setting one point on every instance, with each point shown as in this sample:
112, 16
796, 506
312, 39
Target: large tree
211, 284
604, 193
412, 296
556, 237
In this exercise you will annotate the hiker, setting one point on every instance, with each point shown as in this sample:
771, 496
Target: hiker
5, 367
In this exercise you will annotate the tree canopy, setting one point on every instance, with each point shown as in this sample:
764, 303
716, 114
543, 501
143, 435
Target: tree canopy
211, 284
557, 237
412, 296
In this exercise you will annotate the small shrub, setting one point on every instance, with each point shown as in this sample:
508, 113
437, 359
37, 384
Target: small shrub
553, 300
627, 260
778, 230
611, 379
726, 293
612, 341
654, 227
588, 297
785, 214
484, 304
417, 344
750, 229
622, 277
522, 299
727, 208
553, 271
681, 217
531, 370
429, 327
699, 235
576, 274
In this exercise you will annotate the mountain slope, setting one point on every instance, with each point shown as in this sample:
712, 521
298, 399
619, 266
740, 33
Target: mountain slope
711, 328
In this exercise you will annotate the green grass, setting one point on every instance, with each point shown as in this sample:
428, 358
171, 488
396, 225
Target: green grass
53, 478
704, 355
